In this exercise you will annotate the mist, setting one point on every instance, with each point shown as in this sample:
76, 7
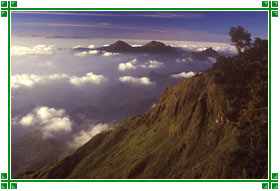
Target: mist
48, 72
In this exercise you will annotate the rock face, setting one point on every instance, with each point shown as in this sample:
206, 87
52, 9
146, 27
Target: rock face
213, 125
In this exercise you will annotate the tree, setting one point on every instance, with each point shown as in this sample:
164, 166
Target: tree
241, 38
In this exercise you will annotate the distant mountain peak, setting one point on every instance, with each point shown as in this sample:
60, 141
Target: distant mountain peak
157, 46
209, 49
120, 43
205, 54
153, 46
118, 46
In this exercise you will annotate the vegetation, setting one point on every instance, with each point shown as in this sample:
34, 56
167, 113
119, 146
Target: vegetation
213, 125
240, 37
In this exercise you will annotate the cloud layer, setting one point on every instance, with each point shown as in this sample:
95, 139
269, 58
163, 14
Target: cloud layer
110, 53
90, 52
36, 50
85, 135
183, 75
50, 121
29, 80
48, 64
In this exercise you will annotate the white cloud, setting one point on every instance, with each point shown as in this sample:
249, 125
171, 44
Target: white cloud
135, 80
178, 60
36, 50
50, 121
47, 64
201, 49
183, 75
110, 53
27, 120
84, 53
26, 80
212, 59
88, 78
93, 52
29, 80
57, 76
85, 135
78, 46
152, 64
91, 46
131, 65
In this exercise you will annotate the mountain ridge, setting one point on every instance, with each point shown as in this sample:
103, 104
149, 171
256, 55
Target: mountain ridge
153, 46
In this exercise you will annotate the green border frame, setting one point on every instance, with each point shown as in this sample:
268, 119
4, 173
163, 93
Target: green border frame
270, 183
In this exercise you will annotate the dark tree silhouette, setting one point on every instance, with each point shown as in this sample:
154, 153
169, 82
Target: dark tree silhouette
241, 38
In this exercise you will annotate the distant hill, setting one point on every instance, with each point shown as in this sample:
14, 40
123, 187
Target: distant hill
32, 151
205, 54
210, 126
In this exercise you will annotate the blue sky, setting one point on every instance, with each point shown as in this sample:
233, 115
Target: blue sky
210, 26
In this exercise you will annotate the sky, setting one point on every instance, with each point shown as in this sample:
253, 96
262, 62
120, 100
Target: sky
207, 26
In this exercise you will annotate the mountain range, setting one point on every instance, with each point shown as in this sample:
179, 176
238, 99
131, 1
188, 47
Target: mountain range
153, 47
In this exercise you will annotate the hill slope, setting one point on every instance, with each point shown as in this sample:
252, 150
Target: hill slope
213, 125
32, 152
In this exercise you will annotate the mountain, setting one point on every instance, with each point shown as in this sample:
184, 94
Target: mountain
211, 126
205, 54
155, 46
151, 47
119, 46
